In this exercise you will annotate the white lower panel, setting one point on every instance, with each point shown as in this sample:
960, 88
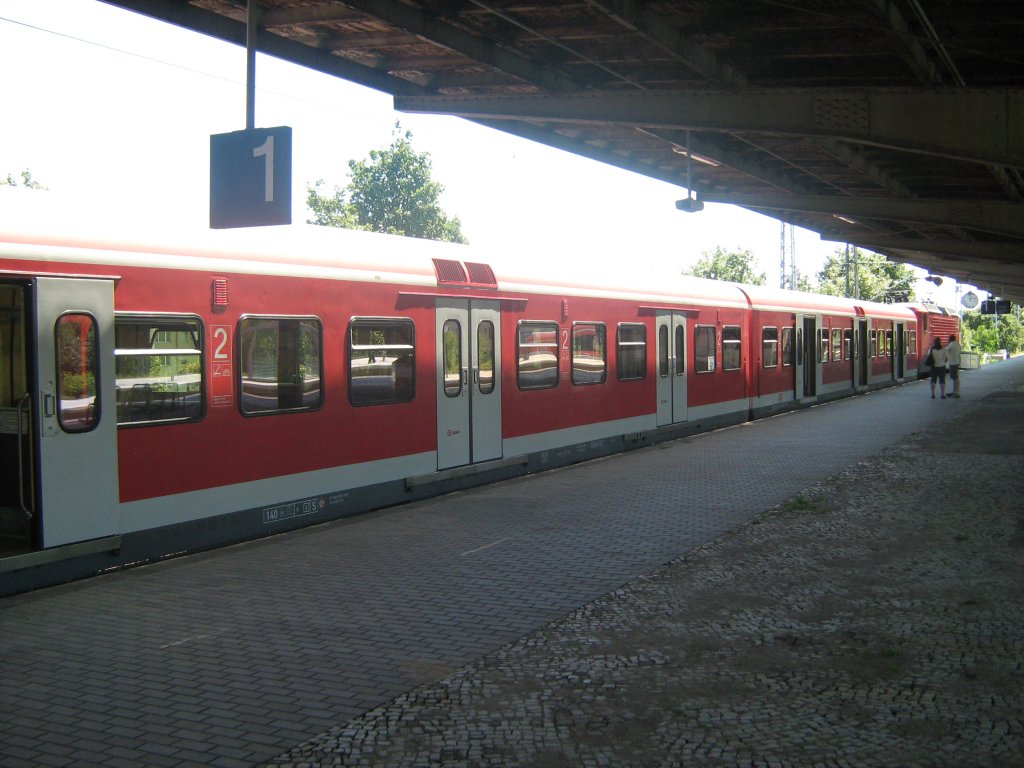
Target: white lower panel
196, 505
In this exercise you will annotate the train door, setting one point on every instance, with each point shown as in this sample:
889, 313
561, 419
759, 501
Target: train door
57, 406
469, 382
671, 368
806, 373
900, 353
862, 353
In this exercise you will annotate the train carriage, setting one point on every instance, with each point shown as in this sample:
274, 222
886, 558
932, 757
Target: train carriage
159, 398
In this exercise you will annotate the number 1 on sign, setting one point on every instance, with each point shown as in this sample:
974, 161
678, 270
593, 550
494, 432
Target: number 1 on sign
266, 151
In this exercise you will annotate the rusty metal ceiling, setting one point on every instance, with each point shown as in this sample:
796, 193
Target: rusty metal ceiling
897, 125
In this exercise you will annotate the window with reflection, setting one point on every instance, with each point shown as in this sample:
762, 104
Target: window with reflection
77, 370
680, 351
279, 365
704, 341
732, 352
663, 350
631, 351
537, 355
451, 341
787, 346
589, 353
158, 365
837, 344
485, 357
382, 360
823, 345
770, 347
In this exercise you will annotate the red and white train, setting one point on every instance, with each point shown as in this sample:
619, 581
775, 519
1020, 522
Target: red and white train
163, 398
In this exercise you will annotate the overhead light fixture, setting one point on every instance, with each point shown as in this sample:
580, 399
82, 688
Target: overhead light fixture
690, 205
843, 218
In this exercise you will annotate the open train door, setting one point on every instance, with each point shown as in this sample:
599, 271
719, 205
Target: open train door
74, 407
806, 364
469, 382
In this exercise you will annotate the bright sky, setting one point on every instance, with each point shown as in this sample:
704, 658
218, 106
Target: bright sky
113, 111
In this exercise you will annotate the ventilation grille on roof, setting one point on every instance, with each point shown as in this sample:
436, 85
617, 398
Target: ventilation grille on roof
450, 272
480, 274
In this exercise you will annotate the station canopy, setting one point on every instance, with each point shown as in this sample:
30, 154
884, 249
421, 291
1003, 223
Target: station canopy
894, 125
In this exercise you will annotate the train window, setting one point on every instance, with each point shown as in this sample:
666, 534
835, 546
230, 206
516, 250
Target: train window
680, 350
78, 406
837, 344
538, 355
451, 339
280, 365
485, 356
631, 351
704, 348
589, 356
873, 334
823, 346
663, 351
770, 347
732, 357
158, 367
848, 343
382, 360
888, 343
912, 342
787, 346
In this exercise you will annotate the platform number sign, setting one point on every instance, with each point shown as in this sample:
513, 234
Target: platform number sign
251, 178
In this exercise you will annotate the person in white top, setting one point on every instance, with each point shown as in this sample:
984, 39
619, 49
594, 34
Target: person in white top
937, 355
953, 361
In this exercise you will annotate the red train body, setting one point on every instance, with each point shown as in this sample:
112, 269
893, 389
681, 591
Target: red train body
162, 399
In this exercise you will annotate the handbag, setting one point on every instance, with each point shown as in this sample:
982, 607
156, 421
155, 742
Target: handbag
930, 360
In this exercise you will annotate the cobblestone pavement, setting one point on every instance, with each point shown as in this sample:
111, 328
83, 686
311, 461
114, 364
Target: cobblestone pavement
875, 619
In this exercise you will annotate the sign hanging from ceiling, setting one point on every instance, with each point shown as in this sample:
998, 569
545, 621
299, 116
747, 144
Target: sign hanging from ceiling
251, 178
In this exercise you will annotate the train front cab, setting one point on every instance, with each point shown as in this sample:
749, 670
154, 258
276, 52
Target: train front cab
58, 433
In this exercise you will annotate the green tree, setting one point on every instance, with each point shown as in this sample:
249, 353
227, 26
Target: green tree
391, 192
26, 180
732, 266
981, 333
864, 275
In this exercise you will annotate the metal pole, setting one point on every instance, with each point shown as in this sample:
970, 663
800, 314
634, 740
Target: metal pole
250, 65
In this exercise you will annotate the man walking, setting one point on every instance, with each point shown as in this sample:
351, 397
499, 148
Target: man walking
953, 361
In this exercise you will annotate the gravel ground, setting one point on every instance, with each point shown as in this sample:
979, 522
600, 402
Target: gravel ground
875, 619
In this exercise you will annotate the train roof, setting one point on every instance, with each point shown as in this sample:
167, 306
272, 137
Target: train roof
766, 298
33, 228
30, 228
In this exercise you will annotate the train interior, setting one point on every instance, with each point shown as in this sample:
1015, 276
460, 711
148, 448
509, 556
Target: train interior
16, 481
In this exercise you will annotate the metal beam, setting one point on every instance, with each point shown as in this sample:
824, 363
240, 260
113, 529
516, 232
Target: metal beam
433, 28
981, 126
670, 38
1005, 219
232, 31
967, 249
